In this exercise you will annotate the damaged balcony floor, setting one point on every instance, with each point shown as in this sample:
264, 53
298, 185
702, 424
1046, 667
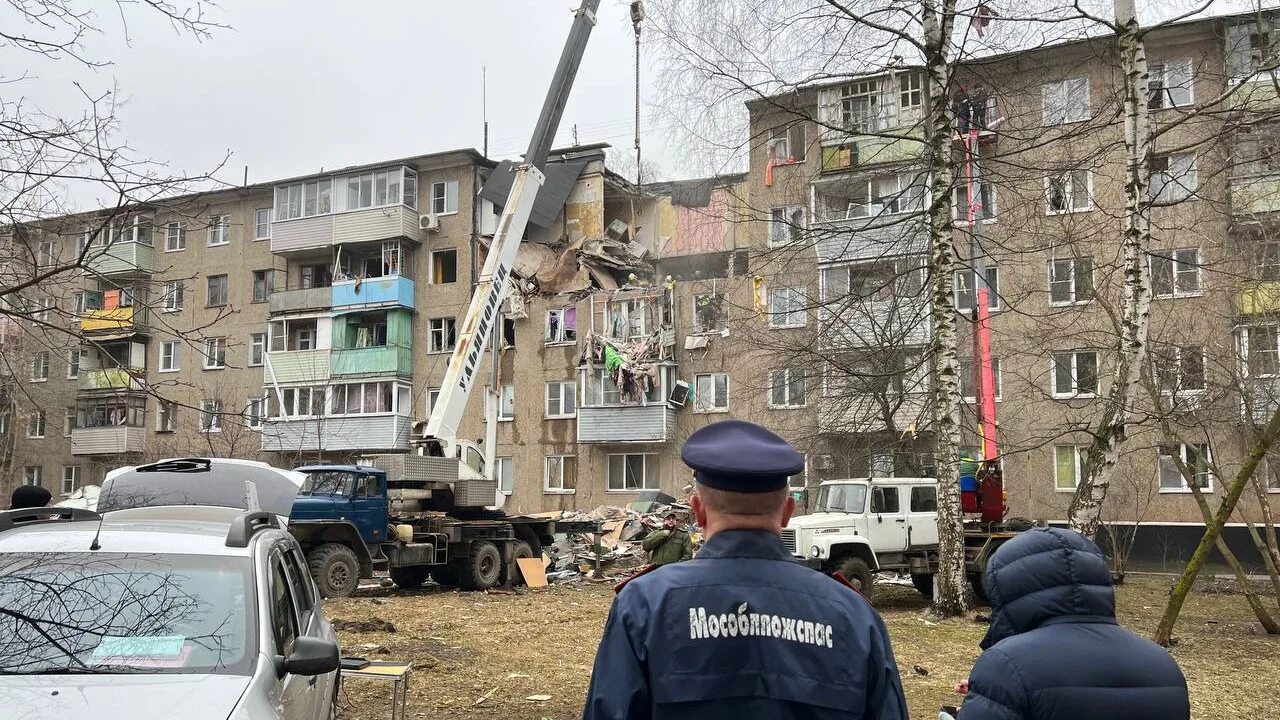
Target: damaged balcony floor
506, 648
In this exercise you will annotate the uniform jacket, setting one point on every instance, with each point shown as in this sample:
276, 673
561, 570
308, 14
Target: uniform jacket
1055, 651
668, 546
743, 631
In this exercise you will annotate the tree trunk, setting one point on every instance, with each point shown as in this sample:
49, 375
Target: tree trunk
1213, 528
1085, 512
952, 595
1268, 524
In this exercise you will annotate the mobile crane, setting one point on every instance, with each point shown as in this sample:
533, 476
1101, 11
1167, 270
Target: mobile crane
438, 511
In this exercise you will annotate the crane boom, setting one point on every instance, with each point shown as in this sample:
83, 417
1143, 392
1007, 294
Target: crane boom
491, 288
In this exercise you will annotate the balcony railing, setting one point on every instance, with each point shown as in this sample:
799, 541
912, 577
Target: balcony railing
1254, 195
109, 379
296, 366
864, 413
115, 319
353, 226
626, 424
1259, 298
302, 299
112, 440
370, 432
122, 258
385, 360
394, 290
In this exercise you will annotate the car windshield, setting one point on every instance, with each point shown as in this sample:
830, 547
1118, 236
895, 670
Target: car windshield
328, 482
95, 612
842, 498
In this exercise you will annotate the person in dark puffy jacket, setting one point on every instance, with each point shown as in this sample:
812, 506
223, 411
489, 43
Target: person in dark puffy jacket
1055, 651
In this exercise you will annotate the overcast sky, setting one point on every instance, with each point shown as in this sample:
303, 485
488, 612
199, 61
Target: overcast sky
300, 84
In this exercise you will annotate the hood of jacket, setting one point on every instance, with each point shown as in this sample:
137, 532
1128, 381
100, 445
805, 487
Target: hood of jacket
1045, 574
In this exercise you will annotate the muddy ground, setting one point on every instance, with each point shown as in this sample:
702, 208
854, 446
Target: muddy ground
478, 655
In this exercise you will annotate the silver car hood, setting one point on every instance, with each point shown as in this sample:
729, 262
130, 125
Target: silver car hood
137, 697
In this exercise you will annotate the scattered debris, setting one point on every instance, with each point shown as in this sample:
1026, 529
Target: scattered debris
515, 675
533, 572
372, 649
485, 696
370, 625
920, 670
572, 558
980, 618
538, 698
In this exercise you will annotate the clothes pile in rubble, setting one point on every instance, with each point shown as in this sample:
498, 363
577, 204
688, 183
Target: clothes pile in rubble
573, 557
622, 362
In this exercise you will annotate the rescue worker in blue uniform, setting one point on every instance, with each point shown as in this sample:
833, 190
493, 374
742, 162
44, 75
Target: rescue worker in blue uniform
742, 630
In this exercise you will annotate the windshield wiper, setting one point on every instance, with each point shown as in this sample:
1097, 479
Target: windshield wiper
77, 670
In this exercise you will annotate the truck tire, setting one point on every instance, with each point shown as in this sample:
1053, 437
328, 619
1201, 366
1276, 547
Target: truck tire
445, 575
857, 572
409, 577
924, 584
483, 566
519, 549
335, 570
979, 592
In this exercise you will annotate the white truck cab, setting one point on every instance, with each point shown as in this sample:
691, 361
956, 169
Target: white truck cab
864, 525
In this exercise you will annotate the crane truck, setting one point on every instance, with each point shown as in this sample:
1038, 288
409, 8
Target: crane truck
437, 512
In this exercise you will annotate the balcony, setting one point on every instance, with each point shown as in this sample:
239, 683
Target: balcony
370, 432
626, 423
120, 319
122, 258
390, 291
109, 379
853, 413
113, 440
386, 360
301, 300
352, 226
858, 151
1260, 298
296, 366
1253, 196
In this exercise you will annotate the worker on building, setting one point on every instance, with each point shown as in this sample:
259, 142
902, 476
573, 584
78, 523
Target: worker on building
742, 630
29, 496
1055, 651
668, 544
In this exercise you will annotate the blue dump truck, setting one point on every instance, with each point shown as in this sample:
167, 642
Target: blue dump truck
353, 520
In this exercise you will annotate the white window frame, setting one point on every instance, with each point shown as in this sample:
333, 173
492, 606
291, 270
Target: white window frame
432, 397
255, 413
33, 478
174, 363
258, 346
68, 421
268, 281
174, 296
261, 226
219, 230
1176, 357
1182, 452
1079, 462
440, 197
787, 379
1074, 392
166, 416
1060, 92
215, 353
559, 462
431, 266
210, 416
650, 479
997, 370
783, 221
1073, 283
47, 254
699, 403
993, 279
505, 473
1070, 180
556, 390
960, 205
1174, 189
175, 237
37, 425
74, 479
791, 297
40, 366
74, 355
507, 402
559, 336
226, 290
1160, 70
1178, 268
442, 334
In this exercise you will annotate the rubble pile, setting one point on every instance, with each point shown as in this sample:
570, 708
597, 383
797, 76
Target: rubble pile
573, 557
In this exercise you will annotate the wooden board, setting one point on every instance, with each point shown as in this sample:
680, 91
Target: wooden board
531, 569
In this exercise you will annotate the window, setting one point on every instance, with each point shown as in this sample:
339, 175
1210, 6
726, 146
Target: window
787, 307
217, 290
885, 500
868, 106
562, 326
68, 421
966, 292
373, 189
254, 412
1176, 274
1261, 350
444, 267
40, 366
169, 356
73, 363
1070, 281
1068, 192
166, 416
1066, 101
710, 312
257, 348
872, 196
47, 254
40, 312
983, 209
219, 230
263, 284
284, 614
173, 296
215, 353
506, 475
1173, 177
1196, 457
787, 144
1169, 83
70, 479
711, 392
433, 395
786, 388
786, 225
1075, 374
875, 281
561, 398
444, 335
561, 475
303, 199
967, 370
444, 197
367, 398
1179, 369
262, 224
211, 416
309, 401
924, 499
1069, 462
33, 475
633, 471
909, 90
35, 424
175, 237
507, 402
882, 465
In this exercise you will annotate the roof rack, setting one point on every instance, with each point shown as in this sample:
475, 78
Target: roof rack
245, 525
12, 519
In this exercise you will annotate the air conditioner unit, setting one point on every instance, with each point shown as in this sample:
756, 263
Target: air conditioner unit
823, 462
429, 222
679, 394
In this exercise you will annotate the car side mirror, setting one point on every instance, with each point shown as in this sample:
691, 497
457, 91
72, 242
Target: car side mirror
311, 656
